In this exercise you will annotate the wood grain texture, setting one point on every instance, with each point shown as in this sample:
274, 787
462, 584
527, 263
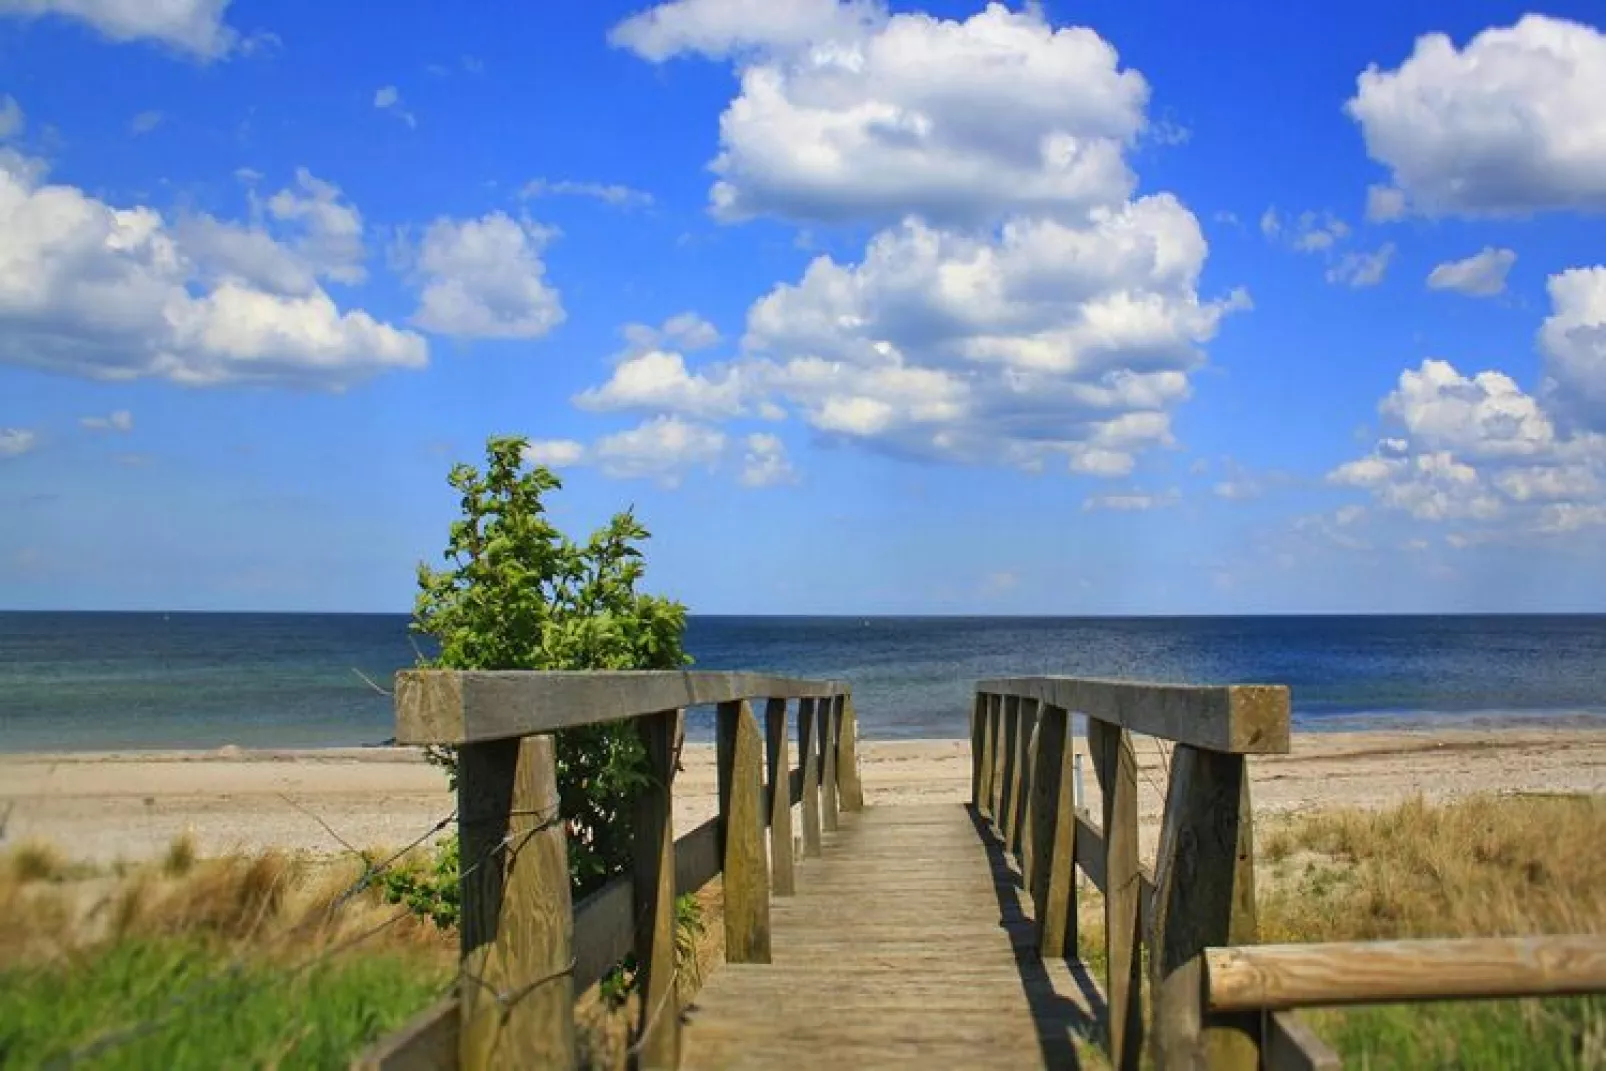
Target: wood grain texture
1204, 896
829, 712
516, 929
698, 857
1008, 793
978, 752
426, 1042
653, 874
1091, 855
932, 968
1117, 768
1238, 718
778, 761
995, 805
987, 709
1378, 972
1052, 878
745, 876
1023, 781
440, 706
808, 750
849, 782
1289, 1044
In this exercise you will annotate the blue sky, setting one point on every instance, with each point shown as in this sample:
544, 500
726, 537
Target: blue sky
1092, 308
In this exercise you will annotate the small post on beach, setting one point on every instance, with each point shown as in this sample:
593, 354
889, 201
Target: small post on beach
653, 884
746, 875
807, 749
779, 763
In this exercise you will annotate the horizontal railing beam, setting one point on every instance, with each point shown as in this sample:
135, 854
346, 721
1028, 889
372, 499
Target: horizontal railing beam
1243, 719
443, 706
1250, 977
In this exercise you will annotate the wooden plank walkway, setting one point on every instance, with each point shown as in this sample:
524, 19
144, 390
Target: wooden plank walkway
905, 946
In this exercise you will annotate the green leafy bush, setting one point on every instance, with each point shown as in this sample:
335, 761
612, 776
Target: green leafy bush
516, 593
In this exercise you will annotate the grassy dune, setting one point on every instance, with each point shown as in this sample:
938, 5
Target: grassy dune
248, 961
1486, 866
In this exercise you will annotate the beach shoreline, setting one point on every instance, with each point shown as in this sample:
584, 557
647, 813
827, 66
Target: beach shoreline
102, 807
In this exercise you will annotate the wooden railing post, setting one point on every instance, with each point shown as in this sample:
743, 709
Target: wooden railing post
746, 873
980, 756
783, 879
1053, 872
1019, 842
807, 752
1204, 897
517, 920
828, 712
653, 892
1009, 794
1117, 769
1000, 749
850, 787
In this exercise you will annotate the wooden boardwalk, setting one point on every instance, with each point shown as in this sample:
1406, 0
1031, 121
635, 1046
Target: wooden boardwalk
906, 945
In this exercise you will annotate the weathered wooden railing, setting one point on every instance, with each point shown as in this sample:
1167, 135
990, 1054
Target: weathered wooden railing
526, 953
1217, 1000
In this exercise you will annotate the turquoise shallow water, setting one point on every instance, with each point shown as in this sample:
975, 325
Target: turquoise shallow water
91, 681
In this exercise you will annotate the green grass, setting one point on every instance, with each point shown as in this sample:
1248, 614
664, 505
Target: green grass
265, 1016
1529, 1035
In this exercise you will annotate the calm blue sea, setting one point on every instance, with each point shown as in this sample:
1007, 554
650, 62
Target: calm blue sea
91, 681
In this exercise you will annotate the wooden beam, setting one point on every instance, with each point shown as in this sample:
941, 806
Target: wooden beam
847, 758
440, 706
995, 803
426, 1042
1204, 896
978, 751
517, 923
1009, 777
1289, 1044
1090, 855
1117, 768
604, 932
653, 878
746, 876
1380, 972
829, 713
697, 857
1237, 718
1018, 836
779, 761
1052, 880
808, 750
987, 711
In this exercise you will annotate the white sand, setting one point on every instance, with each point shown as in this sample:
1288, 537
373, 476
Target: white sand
105, 806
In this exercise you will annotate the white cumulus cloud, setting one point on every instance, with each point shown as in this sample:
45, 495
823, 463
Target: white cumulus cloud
765, 463
1511, 123
193, 26
663, 449
1481, 275
841, 115
484, 278
1573, 341
554, 453
90, 289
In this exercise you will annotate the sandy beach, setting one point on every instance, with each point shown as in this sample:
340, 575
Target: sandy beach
106, 806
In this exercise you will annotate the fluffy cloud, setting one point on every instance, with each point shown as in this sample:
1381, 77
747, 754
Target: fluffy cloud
1481, 275
554, 453
1017, 306
1384, 204
764, 463
1511, 123
89, 289
117, 420
1048, 340
609, 193
1362, 269
192, 26
314, 235
1573, 341
1481, 451
484, 278
14, 442
662, 449
840, 117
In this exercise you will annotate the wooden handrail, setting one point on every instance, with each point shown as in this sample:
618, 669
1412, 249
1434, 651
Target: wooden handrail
520, 937
1241, 719
445, 706
1381, 972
